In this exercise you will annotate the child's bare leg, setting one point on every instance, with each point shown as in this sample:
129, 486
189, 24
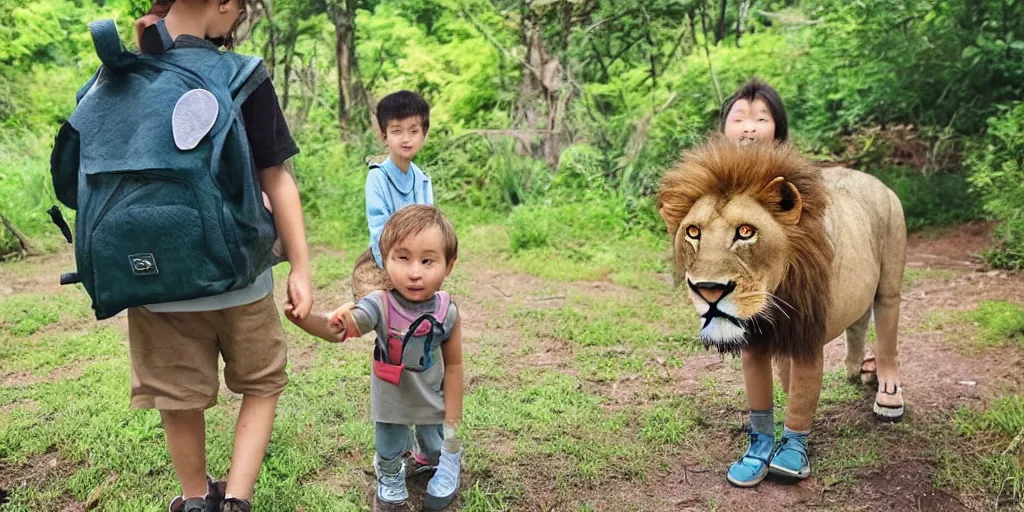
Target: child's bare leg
757, 379
186, 440
252, 434
752, 466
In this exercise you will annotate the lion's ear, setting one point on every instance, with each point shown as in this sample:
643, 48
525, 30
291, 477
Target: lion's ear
787, 205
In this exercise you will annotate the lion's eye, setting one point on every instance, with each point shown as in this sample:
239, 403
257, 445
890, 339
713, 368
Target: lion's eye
693, 232
745, 232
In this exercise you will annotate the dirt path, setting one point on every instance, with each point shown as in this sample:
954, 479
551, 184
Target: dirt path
939, 375
945, 274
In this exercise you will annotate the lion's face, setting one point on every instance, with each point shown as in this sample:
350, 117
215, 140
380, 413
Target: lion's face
746, 225
731, 255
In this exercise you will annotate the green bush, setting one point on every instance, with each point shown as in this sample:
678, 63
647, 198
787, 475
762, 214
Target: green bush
932, 200
479, 172
997, 172
554, 224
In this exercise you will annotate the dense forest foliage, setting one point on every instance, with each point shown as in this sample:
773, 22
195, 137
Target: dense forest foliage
557, 117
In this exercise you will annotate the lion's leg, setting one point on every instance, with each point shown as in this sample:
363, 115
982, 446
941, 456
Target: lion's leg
757, 379
856, 335
805, 390
889, 398
782, 370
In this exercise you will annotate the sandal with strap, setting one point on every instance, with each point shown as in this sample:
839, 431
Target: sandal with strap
790, 459
752, 467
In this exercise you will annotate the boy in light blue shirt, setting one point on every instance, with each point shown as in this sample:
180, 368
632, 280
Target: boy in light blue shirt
404, 119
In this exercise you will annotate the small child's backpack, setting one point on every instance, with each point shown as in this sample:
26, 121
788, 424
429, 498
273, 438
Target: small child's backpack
156, 161
411, 338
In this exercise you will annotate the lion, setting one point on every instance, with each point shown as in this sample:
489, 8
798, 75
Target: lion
780, 257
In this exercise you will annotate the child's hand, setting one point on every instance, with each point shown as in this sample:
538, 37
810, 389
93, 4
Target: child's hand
338, 322
300, 297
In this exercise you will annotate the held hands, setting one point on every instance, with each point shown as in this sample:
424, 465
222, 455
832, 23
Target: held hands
340, 320
300, 297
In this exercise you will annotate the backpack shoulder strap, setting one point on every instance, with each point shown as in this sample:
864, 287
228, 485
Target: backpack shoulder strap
108, 45
444, 299
385, 308
250, 74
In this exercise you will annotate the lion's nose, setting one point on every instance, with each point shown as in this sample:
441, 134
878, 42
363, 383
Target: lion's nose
712, 291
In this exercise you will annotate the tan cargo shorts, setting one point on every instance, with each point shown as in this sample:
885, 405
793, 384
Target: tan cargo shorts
174, 355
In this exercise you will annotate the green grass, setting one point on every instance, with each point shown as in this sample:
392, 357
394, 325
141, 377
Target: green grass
998, 467
990, 324
998, 322
330, 270
605, 322
483, 499
851, 452
590, 241
550, 421
522, 425
321, 423
915, 276
23, 315
671, 422
53, 351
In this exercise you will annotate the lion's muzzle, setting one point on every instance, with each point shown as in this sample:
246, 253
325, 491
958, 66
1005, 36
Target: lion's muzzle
722, 327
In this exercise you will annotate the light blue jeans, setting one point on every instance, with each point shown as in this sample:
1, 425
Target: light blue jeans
392, 441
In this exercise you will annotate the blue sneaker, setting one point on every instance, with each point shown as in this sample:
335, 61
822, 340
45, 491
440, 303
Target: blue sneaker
445, 483
752, 467
790, 459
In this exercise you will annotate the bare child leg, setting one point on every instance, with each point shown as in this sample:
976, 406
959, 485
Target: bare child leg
752, 467
252, 434
186, 440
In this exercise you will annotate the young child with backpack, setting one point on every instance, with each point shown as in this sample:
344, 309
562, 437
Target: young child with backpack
165, 159
417, 358
403, 118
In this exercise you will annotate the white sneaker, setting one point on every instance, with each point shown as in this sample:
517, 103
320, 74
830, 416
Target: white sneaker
391, 488
444, 484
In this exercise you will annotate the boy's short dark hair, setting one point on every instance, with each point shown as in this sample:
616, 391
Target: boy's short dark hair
411, 220
755, 89
402, 105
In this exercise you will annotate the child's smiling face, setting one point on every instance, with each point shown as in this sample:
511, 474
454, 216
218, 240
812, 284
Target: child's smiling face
405, 137
417, 266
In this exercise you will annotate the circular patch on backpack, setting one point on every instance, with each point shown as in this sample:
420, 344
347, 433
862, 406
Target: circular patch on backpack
194, 116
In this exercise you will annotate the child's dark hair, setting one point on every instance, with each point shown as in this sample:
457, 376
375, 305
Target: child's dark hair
415, 218
755, 89
402, 105
160, 8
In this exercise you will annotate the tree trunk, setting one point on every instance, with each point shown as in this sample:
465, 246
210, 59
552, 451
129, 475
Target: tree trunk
707, 53
289, 55
351, 94
271, 40
545, 94
720, 25
741, 19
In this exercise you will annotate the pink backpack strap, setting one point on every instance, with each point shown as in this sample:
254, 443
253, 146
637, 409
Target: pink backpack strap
385, 309
444, 300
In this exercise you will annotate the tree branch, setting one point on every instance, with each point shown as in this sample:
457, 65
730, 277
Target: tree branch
25, 246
